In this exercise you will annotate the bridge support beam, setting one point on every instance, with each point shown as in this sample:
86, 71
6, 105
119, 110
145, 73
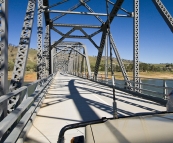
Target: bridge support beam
106, 58
164, 13
87, 61
53, 51
121, 64
39, 40
24, 43
46, 52
136, 81
4, 47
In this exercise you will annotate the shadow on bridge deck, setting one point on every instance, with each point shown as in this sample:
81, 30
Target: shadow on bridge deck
71, 100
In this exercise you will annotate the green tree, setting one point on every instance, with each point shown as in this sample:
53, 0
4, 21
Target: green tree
28, 68
10, 66
34, 67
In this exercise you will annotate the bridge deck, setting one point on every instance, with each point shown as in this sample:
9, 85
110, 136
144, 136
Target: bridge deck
71, 99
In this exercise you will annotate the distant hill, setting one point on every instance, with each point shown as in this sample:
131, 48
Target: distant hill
32, 61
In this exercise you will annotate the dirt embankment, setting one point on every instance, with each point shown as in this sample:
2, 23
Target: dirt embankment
29, 76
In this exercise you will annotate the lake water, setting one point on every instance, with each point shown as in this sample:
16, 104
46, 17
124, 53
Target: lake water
156, 82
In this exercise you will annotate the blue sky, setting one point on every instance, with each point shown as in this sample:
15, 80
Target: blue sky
155, 40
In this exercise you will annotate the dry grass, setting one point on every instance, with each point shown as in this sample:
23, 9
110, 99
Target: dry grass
158, 75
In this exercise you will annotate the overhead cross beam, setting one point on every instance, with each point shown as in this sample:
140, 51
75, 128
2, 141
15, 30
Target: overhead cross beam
75, 12
76, 25
70, 9
62, 38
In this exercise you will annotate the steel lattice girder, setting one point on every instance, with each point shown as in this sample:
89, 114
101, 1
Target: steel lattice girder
4, 47
164, 13
39, 40
136, 47
46, 52
120, 62
24, 43
47, 21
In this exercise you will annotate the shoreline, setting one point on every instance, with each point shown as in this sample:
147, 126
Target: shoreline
32, 76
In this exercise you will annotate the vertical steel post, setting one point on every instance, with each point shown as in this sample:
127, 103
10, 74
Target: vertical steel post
4, 47
136, 47
52, 60
39, 40
75, 62
106, 59
115, 115
49, 55
79, 64
73, 65
46, 52
85, 66
165, 90
87, 61
82, 60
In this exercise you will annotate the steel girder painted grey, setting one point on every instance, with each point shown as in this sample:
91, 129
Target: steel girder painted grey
106, 57
76, 25
83, 3
24, 43
62, 38
4, 47
89, 38
39, 40
164, 13
87, 61
113, 13
53, 51
100, 52
70, 9
75, 12
46, 52
120, 62
58, 3
47, 21
136, 80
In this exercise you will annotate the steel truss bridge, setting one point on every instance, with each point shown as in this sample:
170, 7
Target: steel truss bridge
66, 63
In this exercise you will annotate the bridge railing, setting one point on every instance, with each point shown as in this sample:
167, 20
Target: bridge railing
148, 86
23, 109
